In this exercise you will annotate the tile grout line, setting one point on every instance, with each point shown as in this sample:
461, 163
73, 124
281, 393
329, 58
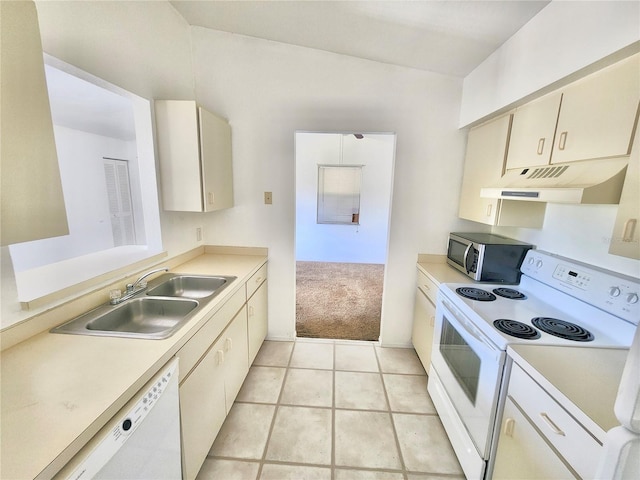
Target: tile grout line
275, 414
333, 416
393, 426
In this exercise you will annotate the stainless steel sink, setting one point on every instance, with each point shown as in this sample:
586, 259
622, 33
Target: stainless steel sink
171, 301
189, 286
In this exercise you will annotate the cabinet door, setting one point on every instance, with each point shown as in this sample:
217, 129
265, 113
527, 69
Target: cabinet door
215, 148
202, 409
598, 114
533, 131
257, 320
522, 453
236, 362
625, 239
178, 150
32, 203
424, 316
483, 166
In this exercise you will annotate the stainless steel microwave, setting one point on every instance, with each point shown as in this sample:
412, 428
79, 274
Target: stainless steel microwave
487, 257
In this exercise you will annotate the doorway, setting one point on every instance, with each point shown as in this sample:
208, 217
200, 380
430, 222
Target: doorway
343, 201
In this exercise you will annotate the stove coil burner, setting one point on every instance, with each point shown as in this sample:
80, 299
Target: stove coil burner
509, 293
516, 329
476, 294
562, 329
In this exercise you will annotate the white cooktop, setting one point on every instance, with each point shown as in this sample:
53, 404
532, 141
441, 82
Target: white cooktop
595, 299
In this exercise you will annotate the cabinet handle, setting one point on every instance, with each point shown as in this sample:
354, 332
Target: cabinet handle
432, 321
509, 425
563, 140
258, 280
629, 230
552, 425
211, 198
489, 208
251, 310
540, 146
220, 357
228, 344
426, 286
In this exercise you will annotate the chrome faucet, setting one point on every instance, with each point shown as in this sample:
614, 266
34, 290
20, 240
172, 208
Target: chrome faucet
136, 287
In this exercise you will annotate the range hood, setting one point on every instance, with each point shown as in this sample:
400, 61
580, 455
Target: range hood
591, 181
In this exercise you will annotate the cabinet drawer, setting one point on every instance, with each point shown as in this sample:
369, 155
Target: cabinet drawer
193, 350
256, 280
563, 432
428, 287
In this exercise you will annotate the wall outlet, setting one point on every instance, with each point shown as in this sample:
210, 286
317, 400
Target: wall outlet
268, 198
199, 234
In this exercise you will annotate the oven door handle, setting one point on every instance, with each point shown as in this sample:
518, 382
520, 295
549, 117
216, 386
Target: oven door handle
466, 255
470, 328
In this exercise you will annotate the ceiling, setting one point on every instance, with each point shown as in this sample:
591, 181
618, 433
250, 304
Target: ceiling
448, 37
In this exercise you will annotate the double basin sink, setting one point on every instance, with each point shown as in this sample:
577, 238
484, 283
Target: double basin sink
157, 312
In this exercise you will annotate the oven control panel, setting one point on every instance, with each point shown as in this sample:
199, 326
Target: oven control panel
577, 278
610, 291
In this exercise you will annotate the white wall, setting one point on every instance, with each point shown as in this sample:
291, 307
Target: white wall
268, 91
86, 199
142, 47
363, 243
562, 39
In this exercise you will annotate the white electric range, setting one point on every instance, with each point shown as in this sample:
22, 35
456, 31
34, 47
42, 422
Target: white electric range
558, 301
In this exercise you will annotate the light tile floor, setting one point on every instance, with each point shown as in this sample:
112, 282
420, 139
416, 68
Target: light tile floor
332, 410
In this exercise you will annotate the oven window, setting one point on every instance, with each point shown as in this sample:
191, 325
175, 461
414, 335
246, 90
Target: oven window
462, 360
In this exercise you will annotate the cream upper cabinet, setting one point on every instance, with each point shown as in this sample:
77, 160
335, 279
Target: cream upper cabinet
532, 132
32, 203
599, 113
484, 165
591, 118
195, 157
625, 240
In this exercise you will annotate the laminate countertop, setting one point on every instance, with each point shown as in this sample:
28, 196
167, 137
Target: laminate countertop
439, 271
59, 390
583, 380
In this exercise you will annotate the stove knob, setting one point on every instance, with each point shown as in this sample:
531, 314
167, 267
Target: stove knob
531, 261
632, 298
539, 264
614, 291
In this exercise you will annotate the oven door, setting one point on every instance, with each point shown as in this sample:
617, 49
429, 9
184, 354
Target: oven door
469, 367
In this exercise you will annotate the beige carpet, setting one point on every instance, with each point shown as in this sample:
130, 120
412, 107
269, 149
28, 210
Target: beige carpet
338, 300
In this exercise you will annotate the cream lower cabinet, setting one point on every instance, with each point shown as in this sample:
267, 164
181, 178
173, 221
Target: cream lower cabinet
257, 320
208, 392
256, 312
424, 316
523, 454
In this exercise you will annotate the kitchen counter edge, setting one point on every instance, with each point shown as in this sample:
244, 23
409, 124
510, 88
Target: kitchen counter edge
57, 393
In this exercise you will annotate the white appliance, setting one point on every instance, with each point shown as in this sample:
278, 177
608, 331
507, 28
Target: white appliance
559, 301
621, 459
142, 441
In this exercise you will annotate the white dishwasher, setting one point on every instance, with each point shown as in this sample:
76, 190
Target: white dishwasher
142, 441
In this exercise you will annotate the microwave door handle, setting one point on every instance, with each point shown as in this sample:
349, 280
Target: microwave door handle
466, 255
